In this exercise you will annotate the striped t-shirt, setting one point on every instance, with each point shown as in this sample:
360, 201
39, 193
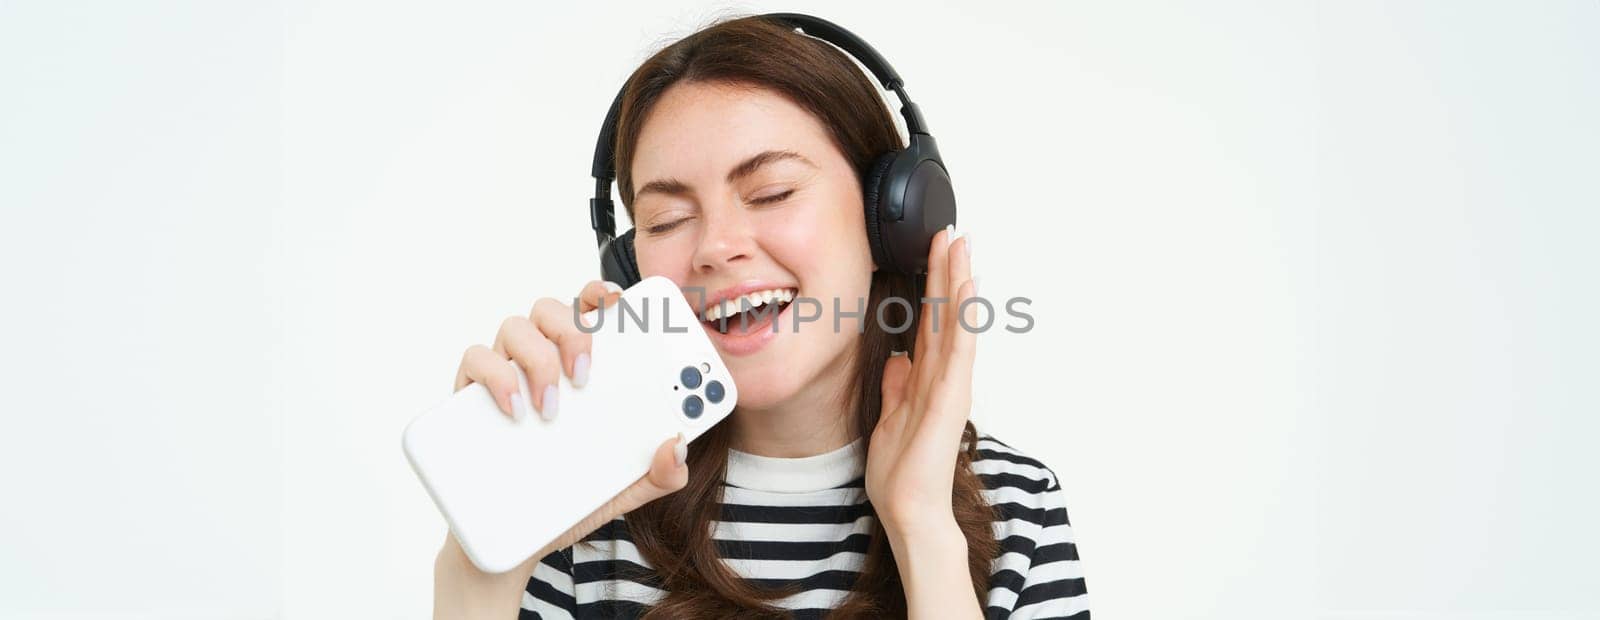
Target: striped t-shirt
770, 513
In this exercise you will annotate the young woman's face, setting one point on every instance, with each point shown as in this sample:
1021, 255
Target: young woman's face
739, 191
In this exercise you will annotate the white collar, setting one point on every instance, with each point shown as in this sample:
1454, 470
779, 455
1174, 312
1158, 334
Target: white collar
799, 474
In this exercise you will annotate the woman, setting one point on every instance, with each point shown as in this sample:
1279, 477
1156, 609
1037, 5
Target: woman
848, 482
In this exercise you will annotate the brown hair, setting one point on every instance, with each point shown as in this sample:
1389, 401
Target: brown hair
673, 534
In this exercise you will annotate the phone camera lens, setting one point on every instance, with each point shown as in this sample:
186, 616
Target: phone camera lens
690, 376
693, 406
714, 392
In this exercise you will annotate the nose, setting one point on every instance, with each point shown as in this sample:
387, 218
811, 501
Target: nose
726, 239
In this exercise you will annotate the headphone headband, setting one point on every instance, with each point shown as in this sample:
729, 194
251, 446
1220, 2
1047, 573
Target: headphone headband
602, 215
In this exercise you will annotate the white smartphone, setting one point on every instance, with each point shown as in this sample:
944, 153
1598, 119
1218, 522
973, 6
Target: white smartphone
508, 487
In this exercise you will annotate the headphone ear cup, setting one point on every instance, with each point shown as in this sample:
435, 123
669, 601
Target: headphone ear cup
872, 186
901, 223
618, 263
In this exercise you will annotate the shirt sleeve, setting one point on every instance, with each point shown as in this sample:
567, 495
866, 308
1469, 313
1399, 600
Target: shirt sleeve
1053, 586
551, 592
1037, 574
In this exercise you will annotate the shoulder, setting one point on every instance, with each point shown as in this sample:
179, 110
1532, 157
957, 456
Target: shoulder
1019, 485
1001, 465
1038, 572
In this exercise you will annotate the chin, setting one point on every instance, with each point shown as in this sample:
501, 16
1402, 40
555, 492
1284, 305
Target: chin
764, 385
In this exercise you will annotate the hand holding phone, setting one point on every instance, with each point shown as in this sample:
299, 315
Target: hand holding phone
514, 484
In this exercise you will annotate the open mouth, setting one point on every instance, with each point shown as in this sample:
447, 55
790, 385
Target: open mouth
748, 312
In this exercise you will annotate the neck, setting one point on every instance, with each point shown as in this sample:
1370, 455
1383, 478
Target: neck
818, 419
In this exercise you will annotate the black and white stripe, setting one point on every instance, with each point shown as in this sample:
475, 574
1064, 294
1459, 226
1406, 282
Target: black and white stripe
785, 532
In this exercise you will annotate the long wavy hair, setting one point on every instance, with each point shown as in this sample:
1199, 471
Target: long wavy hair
673, 533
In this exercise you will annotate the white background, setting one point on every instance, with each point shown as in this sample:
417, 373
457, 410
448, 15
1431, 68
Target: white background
1314, 286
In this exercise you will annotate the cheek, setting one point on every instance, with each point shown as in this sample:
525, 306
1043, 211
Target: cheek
818, 239
794, 241
671, 257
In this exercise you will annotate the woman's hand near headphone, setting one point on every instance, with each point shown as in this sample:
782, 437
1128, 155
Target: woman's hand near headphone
912, 456
544, 345
911, 459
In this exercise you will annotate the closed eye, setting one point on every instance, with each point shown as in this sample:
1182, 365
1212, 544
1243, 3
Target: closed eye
667, 227
765, 200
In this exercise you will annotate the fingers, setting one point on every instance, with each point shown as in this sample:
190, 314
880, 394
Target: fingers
962, 344
667, 472
544, 345
895, 373
597, 294
949, 401
539, 359
666, 475
951, 389
558, 323
940, 377
484, 366
930, 328
957, 273
937, 286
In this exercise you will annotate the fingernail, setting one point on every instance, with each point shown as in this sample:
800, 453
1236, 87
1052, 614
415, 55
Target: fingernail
896, 353
550, 403
968, 247
524, 393
580, 370
949, 234
519, 407
680, 452
975, 280
612, 286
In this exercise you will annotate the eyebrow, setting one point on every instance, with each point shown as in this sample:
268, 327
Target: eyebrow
749, 166
669, 186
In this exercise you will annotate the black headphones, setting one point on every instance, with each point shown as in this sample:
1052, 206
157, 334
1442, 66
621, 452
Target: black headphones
907, 193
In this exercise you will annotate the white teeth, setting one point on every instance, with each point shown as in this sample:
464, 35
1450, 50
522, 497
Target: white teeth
751, 301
